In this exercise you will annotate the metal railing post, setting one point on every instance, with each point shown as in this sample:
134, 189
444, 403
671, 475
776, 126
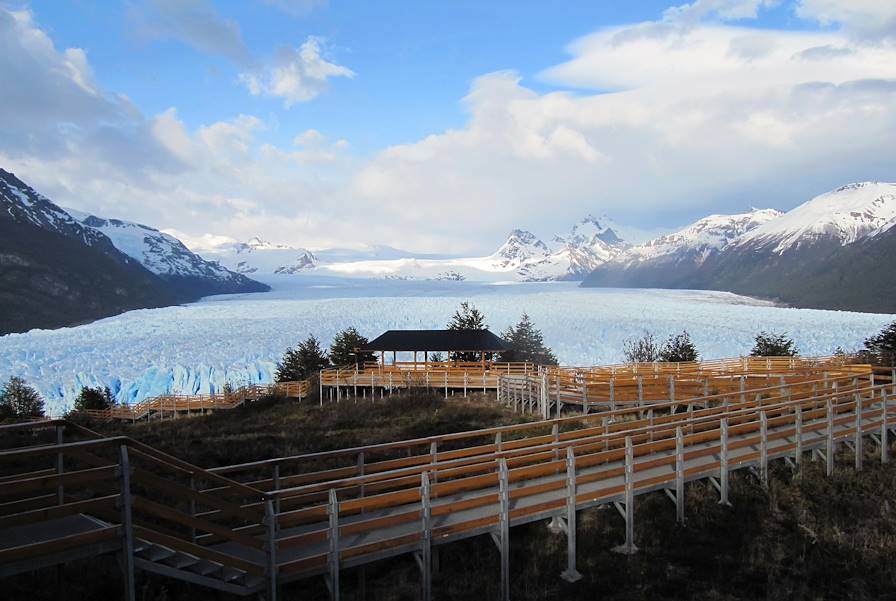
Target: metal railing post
884, 428
679, 475
333, 535
504, 527
571, 574
763, 448
829, 454
857, 440
723, 464
127, 530
426, 542
60, 467
270, 549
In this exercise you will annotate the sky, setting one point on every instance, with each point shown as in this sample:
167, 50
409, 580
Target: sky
440, 126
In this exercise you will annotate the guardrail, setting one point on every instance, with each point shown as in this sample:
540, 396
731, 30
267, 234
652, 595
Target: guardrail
246, 528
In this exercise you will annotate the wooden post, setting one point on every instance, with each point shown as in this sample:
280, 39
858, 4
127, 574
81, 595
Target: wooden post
884, 428
679, 475
60, 467
672, 389
557, 400
798, 454
629, 546
613, 393
127, 530
763, 448
276, 483
270, 549
504, 527
571, 574
723, 463
193, 508
333, 535
829, 455
360, 464
857, 441
426, 543
465, 383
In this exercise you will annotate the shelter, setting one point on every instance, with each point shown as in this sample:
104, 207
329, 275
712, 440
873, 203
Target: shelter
482, 342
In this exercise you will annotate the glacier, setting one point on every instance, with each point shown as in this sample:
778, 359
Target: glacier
238, 338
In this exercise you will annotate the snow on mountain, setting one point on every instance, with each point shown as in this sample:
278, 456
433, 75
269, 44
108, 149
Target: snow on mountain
521, 246
258, 256
25, 205
700, 238
844, 215
160, 253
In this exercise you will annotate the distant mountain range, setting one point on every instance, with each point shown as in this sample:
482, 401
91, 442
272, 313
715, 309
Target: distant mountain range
523, 256
60, 267
835, 251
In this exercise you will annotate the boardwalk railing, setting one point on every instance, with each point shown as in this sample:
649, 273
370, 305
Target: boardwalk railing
174, 405
67, 492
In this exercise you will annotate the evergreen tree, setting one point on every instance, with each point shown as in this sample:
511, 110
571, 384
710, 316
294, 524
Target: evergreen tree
641, 350
467, 317
883, 345
679, 348
343, 349
772, 344
17, 399
527, 344
302, 362
94, 399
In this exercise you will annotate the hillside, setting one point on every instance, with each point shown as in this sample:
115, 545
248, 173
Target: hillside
832, 252
56, 269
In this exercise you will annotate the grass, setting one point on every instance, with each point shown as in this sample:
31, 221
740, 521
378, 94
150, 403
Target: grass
805, 537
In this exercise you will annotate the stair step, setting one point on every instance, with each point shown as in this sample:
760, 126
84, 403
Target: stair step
204, 567
182, 561
157, 553
231, 574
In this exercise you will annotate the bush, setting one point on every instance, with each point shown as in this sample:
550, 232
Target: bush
771, 344
641, 350
302, 362
679, 348
95, 399
17, 399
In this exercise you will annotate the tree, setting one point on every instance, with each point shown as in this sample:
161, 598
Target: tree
641, 350
773, 344
17, 399
302, 362
883, 345
98, 398
467, 317
679, 348
527, 344
343, 349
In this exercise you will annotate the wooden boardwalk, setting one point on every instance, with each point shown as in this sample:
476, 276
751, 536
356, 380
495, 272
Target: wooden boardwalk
171, 406
246, 528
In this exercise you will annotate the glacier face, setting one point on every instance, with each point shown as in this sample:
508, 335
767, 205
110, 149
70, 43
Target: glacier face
238, 338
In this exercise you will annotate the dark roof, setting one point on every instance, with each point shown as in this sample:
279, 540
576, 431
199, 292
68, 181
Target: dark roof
437, 340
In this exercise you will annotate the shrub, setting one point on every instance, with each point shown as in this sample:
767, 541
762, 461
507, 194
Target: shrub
17, 399
679, 348
302, 362
641, 350
772, 344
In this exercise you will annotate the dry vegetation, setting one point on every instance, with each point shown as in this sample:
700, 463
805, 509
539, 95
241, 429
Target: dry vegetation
806, 537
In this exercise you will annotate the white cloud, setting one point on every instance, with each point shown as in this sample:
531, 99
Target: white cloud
726, 10
867, 20
295, 75
193, 22
298, 8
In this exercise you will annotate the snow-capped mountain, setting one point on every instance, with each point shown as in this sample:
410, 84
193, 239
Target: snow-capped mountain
57, 268
833, 251
701, 238
845, 216
258, 256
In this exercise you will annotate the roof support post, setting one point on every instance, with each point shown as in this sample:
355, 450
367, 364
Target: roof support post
571, 574
723, 463
333, 555
127, 531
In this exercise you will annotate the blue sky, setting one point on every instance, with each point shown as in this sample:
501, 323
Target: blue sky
409, 122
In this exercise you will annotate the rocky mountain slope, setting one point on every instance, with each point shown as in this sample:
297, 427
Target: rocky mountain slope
57, 270
829, 252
